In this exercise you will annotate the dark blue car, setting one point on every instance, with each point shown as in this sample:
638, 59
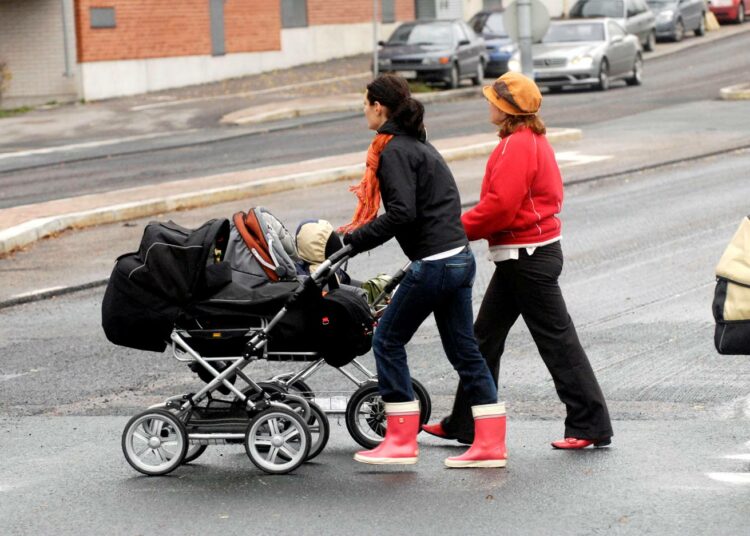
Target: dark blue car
489, 24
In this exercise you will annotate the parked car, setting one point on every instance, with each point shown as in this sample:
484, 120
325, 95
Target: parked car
730, 10
434, 51
675, 17
490, 25
579, 53
633, 15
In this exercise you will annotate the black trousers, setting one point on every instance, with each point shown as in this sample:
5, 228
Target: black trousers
529, 287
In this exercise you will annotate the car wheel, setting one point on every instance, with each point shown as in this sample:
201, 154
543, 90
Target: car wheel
637, 76
679, 31
603, 84
479, 78
454, 79
650, 43
701, 29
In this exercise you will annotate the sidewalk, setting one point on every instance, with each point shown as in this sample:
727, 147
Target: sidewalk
275, 95
22, 225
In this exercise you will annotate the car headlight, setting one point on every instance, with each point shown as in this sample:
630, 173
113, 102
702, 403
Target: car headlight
514, 64
384, 63
665, 15
508, 49
721, 3
429, 61
582, 62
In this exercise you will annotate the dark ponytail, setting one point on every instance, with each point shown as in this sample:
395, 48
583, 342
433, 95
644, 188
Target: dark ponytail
392, 91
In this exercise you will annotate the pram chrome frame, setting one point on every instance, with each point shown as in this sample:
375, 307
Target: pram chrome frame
148, 433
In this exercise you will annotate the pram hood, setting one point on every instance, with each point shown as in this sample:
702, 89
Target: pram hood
260, 245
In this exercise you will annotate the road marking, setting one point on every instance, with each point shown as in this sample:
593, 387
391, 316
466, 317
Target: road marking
6, 377
90, 144
574, 158
742, 457
250, 93
731, 478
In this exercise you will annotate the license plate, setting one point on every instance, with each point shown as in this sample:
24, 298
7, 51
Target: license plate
408, 74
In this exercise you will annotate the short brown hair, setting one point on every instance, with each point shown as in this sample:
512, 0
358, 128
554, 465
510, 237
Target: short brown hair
514, 122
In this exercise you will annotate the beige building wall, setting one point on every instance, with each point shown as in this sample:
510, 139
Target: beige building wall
33, 47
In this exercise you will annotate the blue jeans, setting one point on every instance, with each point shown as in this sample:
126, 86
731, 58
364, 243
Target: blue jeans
442, 287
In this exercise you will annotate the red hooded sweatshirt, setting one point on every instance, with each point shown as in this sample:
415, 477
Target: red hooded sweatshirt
521, 195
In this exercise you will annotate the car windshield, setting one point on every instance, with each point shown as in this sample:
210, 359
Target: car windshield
597, 8
422, 34
660, 2
570, 33
490, 24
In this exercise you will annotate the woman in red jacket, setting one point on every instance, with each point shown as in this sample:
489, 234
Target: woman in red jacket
522, 193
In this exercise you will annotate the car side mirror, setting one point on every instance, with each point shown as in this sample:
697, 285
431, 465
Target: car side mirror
464, 42
381, 43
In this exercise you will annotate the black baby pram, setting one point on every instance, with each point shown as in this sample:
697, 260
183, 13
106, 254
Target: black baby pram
219, 311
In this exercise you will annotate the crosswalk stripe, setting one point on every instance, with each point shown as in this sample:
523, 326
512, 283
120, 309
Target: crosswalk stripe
731, 478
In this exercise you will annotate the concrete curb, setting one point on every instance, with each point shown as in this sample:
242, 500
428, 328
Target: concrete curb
322, 105
736, 92
28, 232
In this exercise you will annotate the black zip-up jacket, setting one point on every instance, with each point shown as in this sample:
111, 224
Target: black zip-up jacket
421, 200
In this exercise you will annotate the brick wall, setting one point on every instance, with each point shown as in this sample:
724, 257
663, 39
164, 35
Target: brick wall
252, 25
165, 28
351, 11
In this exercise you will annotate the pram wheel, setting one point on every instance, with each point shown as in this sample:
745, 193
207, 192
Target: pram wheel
193, 453
154, 442
318, 425
300, 386
365, 413
277, 440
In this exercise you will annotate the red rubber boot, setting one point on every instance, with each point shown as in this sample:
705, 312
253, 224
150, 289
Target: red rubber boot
488, 449
400, 443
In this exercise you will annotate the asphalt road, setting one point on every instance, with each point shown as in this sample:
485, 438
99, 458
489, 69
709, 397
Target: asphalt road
692, 75
638, 279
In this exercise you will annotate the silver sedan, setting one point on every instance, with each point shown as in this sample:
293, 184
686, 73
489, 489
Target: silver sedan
585, 53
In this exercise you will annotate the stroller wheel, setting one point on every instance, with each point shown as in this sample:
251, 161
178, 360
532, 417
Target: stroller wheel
277, 440
300, 386
297, 401
154, 442
318, 425
365, 413
194, 452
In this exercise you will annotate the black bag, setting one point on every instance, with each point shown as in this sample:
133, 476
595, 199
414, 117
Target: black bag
148, 289
731, 305
181, 264
346, 326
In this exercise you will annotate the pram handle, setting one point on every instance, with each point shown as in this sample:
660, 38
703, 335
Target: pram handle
393, 283
311, 284
332, 263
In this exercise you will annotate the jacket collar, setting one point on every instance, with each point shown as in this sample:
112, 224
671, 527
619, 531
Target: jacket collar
391, 127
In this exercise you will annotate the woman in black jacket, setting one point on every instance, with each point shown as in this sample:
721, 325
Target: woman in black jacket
423, 213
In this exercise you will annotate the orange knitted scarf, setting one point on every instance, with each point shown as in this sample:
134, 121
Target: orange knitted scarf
368, 189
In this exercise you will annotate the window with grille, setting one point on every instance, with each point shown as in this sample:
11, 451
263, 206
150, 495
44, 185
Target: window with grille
389, 10
293, 13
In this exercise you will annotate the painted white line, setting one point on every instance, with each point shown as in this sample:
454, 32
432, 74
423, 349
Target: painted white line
574, 158
250, 93
741, 457
90, 144
731, 478
6, 377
